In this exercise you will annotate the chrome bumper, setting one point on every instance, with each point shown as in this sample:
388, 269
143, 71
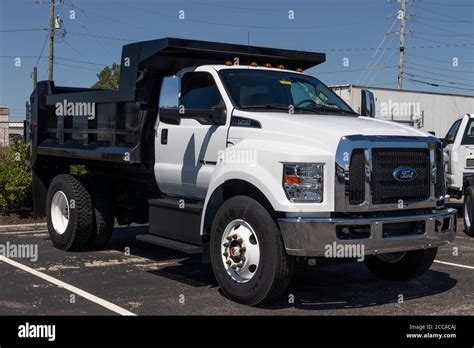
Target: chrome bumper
311, 236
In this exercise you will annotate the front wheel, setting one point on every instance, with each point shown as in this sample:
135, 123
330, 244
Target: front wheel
401, 266
468, 208
247, 253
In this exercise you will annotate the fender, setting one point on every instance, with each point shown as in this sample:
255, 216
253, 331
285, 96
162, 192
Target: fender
263, 168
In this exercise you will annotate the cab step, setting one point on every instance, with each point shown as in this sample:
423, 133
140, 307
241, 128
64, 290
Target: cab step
170, 243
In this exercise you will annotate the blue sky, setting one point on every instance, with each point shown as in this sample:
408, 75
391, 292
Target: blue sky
362, 33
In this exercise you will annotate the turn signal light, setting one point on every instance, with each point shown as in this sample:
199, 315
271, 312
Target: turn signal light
228, 63
291, 180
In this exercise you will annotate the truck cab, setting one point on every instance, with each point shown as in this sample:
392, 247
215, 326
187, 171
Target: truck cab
232, 151
459, 165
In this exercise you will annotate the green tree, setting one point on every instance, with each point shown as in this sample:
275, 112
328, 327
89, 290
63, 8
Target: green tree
108, 77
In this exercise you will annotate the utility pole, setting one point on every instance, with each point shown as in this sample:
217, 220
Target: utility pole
35, 77
402, 44
51, 40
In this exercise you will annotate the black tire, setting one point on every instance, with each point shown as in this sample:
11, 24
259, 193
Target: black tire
80, 224
103, 213
273, 273
409, 266
468, 211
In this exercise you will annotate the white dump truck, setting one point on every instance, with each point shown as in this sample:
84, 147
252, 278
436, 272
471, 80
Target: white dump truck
234, 152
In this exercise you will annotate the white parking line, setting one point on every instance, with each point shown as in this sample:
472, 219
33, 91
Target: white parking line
61, 284
453, 264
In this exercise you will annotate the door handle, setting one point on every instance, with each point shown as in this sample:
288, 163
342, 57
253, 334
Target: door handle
164, 136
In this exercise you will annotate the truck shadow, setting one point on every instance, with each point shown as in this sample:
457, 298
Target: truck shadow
352, 286
342, 285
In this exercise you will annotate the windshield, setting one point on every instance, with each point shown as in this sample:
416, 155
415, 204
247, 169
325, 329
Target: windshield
260, 89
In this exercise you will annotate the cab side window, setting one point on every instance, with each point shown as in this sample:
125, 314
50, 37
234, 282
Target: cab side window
468, 137
199, 91
451, 135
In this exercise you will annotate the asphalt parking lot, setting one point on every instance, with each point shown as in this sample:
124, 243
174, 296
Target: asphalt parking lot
150, 280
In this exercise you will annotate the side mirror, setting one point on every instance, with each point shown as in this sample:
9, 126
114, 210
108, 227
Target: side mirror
219, 114
216, 115
367, 103
169, 115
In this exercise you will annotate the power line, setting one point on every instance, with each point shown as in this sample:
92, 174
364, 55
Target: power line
444, 15
77, 66
380, 46
455, 70
167, 15
437, 60
437, 28
354, 70
450, 4
388, 48
42, 49
438, 74
60, 58
435, 79
431, 40
446, 20
439, 85
100, 36
253, 9
431, 34
20, 30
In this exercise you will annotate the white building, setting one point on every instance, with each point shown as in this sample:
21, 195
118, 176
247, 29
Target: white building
433, 112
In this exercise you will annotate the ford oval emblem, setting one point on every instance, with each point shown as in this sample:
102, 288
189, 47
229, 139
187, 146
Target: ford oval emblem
404, 174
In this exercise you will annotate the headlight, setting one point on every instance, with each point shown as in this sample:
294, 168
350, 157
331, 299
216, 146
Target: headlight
303, 182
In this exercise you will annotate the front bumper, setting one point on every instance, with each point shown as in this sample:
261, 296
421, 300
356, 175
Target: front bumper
312, 236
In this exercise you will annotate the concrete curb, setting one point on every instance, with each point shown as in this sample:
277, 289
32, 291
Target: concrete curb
23, 227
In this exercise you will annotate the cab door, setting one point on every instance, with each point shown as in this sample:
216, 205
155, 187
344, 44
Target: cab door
186, 154
451, 147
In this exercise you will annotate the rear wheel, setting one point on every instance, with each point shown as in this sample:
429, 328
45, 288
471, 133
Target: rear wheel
401, 266
103, 212
247, 253
468, 207
69, 213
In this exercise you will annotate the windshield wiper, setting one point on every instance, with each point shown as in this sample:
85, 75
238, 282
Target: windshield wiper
268, 106
316, 107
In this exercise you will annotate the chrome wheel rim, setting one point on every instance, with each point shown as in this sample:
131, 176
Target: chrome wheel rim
240, 251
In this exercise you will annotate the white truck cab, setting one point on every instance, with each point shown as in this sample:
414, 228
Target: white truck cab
459, 165
234, 152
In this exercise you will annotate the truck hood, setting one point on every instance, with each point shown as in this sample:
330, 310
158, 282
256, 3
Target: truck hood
322, 131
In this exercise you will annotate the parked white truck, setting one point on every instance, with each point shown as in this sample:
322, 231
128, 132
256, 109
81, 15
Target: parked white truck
459, 158
233, 152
